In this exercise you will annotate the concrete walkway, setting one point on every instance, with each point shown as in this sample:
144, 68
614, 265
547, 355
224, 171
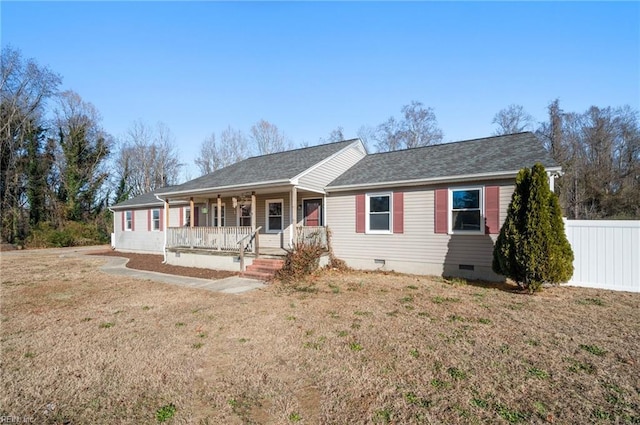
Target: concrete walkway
229, 285
117, 266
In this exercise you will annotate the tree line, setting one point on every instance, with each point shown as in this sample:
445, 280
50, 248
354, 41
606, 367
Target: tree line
58, 165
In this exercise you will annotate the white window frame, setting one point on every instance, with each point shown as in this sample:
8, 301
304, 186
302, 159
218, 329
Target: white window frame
368, 213
128, 220
155, 222
266, 214
240, 216
480, 207
214, 220
187, 217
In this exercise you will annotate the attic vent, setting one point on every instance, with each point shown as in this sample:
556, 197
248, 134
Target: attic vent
465, 267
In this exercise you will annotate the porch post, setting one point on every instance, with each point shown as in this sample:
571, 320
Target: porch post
166, 228
191, 220
294, 215
219, 211
253, 211
254, 220
191, 212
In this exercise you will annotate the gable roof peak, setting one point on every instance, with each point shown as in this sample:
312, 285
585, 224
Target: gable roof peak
304, 148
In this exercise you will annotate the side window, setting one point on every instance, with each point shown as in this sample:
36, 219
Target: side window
378, 212
274, 215
187, 217
465, 212
155, 220
244, 218
128, 225
215, 216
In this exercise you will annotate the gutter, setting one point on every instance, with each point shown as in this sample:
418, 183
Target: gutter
224, 188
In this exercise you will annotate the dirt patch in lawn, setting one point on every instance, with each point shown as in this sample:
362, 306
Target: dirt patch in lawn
81, 346
153, 263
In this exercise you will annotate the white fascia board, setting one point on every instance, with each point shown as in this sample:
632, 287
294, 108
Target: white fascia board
420, 182
128, 207
306, 189
327, 159
224, 188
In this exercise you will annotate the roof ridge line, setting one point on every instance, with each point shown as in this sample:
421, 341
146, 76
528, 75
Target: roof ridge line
454, 142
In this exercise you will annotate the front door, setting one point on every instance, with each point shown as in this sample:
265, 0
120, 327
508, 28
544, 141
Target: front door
312, 212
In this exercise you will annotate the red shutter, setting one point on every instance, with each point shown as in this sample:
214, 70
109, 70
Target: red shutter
196, 213
492, 209
398, 212
181, 216
124, 218
148, 220
133, 220
441, 224
161, 220
360, 219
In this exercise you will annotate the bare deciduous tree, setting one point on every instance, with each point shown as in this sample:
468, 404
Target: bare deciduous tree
389, 136
419, 127
147, 159
599, 151
267, 138
25, 87
512, 119
84, 147
231, 148
366, 134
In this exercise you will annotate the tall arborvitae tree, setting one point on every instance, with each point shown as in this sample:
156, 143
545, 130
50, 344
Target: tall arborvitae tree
532, 248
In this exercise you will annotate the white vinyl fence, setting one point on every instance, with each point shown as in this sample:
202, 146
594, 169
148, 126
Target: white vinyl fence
606, 253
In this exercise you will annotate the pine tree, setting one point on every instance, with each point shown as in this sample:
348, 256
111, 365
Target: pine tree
532, 247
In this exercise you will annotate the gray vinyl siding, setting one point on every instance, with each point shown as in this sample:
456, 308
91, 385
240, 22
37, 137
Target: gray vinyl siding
418, 249
141, 239
321, 176
278, 239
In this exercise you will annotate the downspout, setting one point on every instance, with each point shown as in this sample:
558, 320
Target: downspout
113, 234
165, 203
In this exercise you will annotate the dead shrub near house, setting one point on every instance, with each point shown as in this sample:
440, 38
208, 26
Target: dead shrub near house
301, 261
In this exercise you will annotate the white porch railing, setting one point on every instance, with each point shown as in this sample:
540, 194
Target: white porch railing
312, 234
217, 238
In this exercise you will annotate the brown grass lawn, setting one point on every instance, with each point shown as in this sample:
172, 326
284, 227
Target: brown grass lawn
83, 347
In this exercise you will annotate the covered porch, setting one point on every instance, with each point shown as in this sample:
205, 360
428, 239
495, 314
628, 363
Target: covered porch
266, 221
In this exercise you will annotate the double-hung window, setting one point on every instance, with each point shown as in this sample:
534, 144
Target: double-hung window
128, 220
215, 216
244, 217
378, 212
465, 215
275, 218
155, 220
187, 217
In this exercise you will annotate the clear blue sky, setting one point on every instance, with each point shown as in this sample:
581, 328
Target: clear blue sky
309, 67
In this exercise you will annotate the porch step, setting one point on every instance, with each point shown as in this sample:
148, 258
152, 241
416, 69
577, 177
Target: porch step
268, 262
263, 268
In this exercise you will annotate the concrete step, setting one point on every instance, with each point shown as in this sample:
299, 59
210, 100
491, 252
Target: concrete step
268, 262
257, 275
262, 269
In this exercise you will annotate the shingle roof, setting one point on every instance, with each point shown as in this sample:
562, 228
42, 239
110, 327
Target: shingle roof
479, 156
279, 166
145, 200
